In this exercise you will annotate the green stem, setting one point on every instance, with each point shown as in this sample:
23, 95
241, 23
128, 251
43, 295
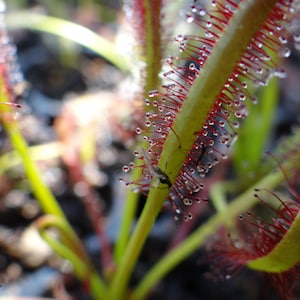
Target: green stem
78, 264
67, 234
197, 238
71, 248
146, 220
43, 194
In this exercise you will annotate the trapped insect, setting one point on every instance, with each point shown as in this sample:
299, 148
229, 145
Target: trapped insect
156, 171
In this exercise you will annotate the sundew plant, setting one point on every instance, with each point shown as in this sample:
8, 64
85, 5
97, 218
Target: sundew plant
202, 99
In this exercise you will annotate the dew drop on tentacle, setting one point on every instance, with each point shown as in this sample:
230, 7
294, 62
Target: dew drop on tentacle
254, 100
284, 52
194, 8
126, 169
138, 130
153, 93
148, 123
190, 17
208, 24
244, 85
192, 66
279, 73
187, 217
170, 60
179, 38
283, 39
187, 201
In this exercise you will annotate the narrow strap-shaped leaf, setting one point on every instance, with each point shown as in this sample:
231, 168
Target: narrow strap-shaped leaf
243, 26
245, 23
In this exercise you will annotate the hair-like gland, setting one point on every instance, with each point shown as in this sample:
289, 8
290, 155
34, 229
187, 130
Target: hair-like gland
218, 133
257, 239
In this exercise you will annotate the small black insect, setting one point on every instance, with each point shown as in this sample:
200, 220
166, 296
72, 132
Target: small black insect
162, 176
156, 171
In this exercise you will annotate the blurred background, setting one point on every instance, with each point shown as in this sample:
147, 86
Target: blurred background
79, 114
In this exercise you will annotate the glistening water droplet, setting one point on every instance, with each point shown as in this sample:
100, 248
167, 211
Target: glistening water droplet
126, 168
138, 130
153, 93
284, 52
190, 18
